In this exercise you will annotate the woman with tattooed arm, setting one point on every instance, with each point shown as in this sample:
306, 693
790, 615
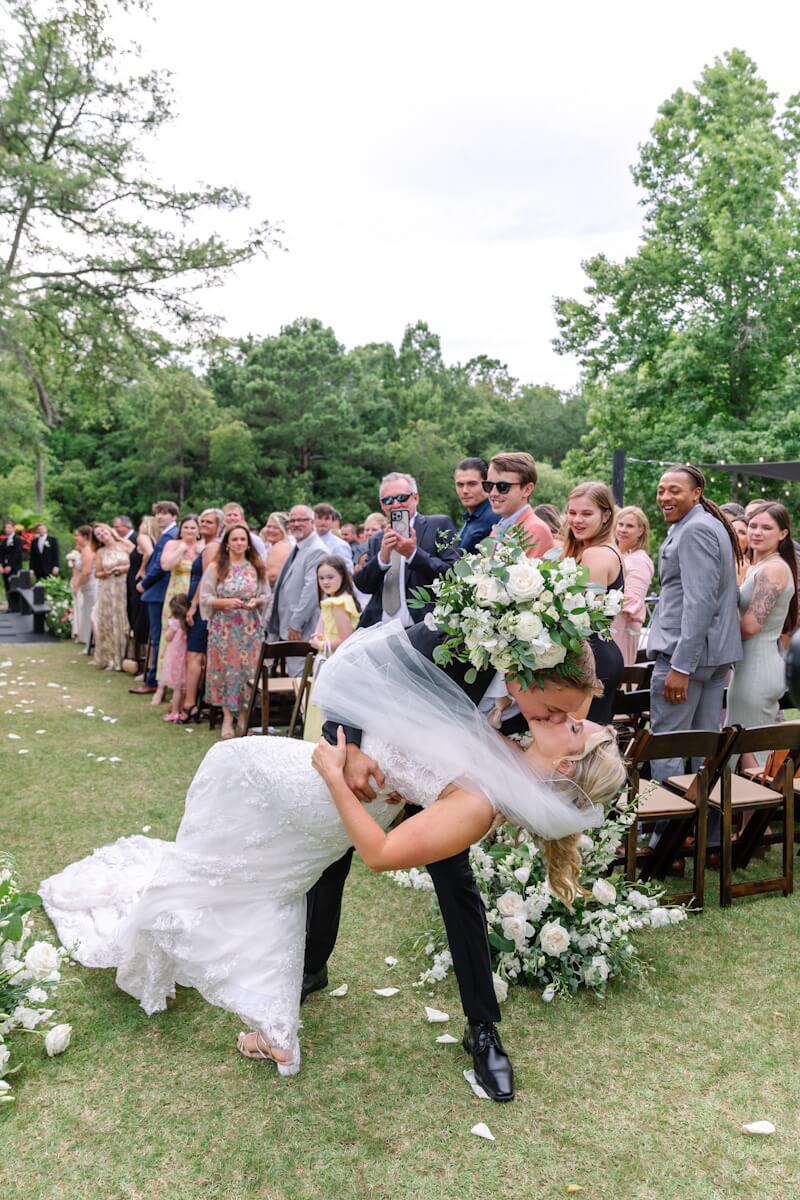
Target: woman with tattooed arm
768, 608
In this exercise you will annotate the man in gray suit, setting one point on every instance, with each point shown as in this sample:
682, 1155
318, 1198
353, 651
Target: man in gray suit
295, 601
695, 635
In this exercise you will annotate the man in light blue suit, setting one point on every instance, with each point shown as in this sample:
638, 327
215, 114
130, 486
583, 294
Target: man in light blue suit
154, 589
695, 636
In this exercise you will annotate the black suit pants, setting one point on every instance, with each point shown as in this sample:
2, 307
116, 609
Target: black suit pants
464, 919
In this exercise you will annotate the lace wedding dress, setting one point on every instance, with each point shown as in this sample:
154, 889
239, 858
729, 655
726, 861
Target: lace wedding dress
222, 908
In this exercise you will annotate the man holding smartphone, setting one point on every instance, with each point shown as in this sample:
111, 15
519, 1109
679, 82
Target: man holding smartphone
412, 551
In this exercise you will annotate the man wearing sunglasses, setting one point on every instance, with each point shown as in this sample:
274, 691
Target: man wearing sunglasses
509, 485
395, 564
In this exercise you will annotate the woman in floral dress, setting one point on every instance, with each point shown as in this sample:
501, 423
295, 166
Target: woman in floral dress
112, 557
233, 595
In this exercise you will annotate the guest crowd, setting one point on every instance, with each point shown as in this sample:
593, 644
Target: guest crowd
194, 596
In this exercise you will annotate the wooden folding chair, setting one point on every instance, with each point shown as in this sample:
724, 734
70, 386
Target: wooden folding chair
771, 803
630, 714
682, 810
637, 677
272, 679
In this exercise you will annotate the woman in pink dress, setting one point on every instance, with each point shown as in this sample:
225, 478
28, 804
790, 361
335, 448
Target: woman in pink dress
633, 542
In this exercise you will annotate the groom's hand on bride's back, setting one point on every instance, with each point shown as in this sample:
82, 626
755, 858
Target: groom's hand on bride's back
358, 769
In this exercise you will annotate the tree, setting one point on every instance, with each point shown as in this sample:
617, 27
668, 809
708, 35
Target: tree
695, 334
95, 250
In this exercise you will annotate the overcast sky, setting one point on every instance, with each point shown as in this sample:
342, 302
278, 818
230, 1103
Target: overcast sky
445, 161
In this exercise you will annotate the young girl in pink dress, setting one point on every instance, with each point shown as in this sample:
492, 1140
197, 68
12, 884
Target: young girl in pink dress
173, 668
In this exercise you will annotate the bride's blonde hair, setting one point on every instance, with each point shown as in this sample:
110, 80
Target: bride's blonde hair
597, 777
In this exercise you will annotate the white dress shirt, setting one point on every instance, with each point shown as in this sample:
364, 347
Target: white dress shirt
403, 614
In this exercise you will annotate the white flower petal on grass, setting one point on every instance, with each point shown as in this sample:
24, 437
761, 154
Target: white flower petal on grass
390, 960
115, 758
483, 1131
341, 990
13, 737
476, 1087
57, 1039
90, 754
386, 991
447, 1039
435, 1016
40, 731
100, 758
146, 828
759, 1128
23, 752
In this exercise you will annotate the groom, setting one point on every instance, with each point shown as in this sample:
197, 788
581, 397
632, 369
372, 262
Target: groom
460, 902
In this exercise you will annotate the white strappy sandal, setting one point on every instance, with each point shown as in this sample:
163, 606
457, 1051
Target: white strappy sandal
264, 1051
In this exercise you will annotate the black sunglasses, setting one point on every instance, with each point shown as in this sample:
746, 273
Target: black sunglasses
502, 485
401, 499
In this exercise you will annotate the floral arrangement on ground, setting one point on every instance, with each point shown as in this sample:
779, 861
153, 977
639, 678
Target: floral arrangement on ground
535, 939
30, 974
59, 597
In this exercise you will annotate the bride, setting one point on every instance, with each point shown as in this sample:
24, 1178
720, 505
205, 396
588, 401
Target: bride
222, 908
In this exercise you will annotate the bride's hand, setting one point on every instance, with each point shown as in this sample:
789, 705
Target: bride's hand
329, 760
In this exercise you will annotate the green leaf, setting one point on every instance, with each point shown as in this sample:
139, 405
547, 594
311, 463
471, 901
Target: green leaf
471, 675
500, 943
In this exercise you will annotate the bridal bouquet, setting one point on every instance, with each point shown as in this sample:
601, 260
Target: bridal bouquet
534, 938
520, 615
30, 972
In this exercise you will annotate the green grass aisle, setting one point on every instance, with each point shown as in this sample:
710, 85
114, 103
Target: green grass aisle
641, 1097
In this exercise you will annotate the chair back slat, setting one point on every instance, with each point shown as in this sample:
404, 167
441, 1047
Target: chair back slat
785, 736
632, 704
689, 743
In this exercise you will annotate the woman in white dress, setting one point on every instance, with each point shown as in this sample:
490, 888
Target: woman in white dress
222, 908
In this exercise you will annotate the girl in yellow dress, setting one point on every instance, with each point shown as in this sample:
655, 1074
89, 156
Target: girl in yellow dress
339, 616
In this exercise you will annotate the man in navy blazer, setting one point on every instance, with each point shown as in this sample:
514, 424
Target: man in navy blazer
154, 589
396, 565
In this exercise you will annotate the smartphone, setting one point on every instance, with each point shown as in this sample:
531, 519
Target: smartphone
401, 522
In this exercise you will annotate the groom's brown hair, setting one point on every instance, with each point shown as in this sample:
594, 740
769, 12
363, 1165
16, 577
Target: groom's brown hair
518, 462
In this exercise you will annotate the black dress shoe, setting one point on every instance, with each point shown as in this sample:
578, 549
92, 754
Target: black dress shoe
493, 1069
314, 983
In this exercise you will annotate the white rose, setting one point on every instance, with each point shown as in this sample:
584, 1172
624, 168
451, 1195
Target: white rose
41, 960
37, 995
549, 993
581, 621
676, 915
659, 917
604, 892
488, 591
57, 1039
500, 988
522, 875
550, 656
596, 971
638, 899
535, 906
528, 626
5, 1055
510, 904
554, 938
29, 1018
525, 581
514, 928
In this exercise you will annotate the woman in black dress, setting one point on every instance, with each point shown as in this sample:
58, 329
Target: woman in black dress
591, 513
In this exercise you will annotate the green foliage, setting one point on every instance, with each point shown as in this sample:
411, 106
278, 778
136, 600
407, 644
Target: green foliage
689, 346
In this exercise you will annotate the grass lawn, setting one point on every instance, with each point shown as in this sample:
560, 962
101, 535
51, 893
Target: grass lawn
639, 1097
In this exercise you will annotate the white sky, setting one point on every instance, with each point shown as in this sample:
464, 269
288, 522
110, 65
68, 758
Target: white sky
445, 161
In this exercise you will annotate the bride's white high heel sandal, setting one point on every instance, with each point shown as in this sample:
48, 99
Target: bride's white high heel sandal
263, 1050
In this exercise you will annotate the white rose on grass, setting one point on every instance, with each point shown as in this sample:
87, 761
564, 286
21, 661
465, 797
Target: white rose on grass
525, 581
41, 960
528, 626
29, 1018
604, 892
659, 917
37, 995
549, 993
57, 1039
676, 915
510, 904
500, 988
638, 899
554, 938
514, 929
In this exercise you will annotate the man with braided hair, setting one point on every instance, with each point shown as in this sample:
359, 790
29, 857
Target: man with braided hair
695, 636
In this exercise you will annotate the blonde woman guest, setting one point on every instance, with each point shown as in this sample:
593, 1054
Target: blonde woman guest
211, 524
591, 513
275, 535
375, 523
112, 555
233, 594
84, 587
633, 543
